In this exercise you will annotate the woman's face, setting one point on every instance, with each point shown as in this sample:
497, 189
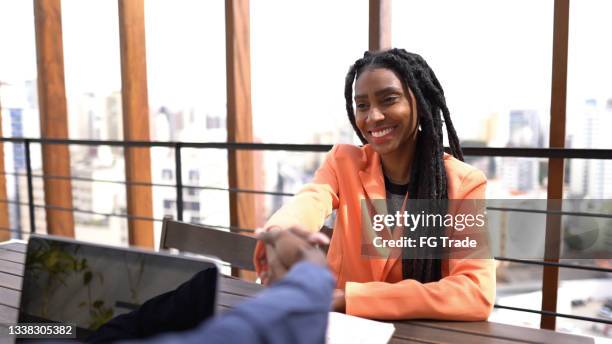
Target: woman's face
383, 110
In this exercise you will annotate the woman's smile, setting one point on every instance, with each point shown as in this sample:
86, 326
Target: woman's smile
381, 134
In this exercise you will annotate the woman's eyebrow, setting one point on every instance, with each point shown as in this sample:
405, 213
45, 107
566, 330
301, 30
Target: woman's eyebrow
385, 90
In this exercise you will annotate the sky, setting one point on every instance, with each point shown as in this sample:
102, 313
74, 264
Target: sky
490, 56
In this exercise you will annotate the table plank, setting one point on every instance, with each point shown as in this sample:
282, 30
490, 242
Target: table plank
11, 268
8, 315
239, 287
503, 331
230, 300
402, 341
14, 246
409, 331
12, 256
9, 297
10, 281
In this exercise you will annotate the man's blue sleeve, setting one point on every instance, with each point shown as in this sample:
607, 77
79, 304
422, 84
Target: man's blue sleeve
293, 310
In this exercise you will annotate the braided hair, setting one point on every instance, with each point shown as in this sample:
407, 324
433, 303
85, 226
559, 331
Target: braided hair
428, 175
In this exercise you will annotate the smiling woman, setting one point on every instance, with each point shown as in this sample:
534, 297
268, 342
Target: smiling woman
399, 114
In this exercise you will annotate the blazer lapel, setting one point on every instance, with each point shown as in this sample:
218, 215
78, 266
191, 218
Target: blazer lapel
373, 184
371, 176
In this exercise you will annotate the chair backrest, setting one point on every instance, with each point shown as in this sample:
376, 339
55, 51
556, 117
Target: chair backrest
233, 248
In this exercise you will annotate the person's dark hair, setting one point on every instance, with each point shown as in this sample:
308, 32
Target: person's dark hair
428, 175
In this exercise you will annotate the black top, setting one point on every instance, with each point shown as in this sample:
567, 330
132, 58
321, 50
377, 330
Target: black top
396, 189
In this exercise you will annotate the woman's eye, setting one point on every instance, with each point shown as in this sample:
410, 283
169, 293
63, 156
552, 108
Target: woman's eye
362, 106
390, 99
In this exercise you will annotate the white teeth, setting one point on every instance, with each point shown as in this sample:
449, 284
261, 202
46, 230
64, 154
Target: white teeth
380, 133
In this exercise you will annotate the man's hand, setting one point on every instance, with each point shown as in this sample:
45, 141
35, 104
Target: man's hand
284, 248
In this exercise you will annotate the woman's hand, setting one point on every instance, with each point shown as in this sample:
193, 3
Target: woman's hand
339, 301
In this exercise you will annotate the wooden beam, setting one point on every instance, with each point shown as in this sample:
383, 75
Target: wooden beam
4, 211
550, 276
53, 115
136, 120
239, 112
380, 25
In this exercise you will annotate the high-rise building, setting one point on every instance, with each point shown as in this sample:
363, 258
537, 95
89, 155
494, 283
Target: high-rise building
521, 175
599, 172
114, 117
525, 129
592, 178
19, 101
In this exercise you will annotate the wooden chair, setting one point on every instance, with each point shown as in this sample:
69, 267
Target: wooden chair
233, 248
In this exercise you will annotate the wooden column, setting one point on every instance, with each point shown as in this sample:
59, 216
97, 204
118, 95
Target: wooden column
550, 276
53, 115
136, 119
4, 211
380, 25
239, 121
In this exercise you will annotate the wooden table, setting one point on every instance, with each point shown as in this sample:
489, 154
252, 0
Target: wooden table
234, 291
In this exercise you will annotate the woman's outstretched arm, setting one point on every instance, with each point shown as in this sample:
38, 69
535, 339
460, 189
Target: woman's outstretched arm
308, 209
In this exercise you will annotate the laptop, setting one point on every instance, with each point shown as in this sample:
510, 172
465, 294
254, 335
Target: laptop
72, 282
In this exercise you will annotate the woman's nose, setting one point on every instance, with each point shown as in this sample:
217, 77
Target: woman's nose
375, 115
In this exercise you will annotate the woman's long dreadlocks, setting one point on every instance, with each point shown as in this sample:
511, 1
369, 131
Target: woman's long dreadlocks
428, 175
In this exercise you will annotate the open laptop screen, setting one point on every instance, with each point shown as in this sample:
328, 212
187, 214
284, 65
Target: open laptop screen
67, 281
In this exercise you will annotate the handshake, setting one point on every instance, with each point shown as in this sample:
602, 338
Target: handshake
286, 247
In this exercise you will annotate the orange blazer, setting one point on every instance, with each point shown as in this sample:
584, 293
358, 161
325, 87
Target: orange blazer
375, 288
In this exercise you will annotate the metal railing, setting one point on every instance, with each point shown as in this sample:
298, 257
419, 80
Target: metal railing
564, 153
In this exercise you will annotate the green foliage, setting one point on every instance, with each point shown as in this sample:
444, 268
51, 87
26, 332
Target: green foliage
99, 314
59, 264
